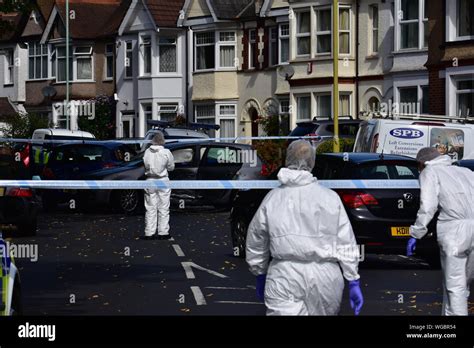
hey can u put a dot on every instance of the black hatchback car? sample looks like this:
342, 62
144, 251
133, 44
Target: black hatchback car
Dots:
18, 206
380, 217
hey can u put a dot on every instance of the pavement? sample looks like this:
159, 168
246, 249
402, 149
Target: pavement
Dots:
96, 264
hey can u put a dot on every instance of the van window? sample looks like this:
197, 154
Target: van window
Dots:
448, 141
364, 140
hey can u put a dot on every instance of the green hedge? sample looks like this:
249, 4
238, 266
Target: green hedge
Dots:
346, 145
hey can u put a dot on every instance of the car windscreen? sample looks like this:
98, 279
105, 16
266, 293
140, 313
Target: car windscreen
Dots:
385, 171
303, 130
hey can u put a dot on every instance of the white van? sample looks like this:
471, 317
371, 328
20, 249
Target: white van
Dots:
407, 136
60, 134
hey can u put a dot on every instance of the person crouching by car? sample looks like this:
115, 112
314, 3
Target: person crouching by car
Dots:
158, 162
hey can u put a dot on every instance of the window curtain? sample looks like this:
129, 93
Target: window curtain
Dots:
344, 105
324, 106
227, 55
304, 108
84, 69
227, 128
344, 24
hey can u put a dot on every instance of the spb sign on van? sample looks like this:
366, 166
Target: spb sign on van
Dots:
406, 141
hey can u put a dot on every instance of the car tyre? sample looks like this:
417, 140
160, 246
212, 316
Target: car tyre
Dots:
128, 201
239, 226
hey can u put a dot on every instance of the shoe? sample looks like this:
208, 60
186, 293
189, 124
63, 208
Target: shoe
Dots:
164, 237
152, 237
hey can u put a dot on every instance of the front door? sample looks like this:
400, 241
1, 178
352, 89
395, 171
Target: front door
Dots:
128, 126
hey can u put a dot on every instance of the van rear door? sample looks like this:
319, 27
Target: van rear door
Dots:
396, 138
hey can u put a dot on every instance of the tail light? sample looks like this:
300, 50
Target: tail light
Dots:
315, 138
355, 200
25, 155
109, 165
48, 173
375, 143
20, 192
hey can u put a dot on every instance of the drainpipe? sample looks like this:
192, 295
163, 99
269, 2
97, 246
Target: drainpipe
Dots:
186, 107
357, 57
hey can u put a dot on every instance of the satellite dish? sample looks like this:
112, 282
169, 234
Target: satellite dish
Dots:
286, 71
49, 91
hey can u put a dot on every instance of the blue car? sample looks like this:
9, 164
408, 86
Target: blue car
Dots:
73, 161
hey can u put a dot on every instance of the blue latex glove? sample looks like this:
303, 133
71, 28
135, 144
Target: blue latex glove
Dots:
411, 246
355, 296
261, 286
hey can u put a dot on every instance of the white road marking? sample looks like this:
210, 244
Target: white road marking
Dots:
240, 302
178, 250
198, 296
190, 274
225, 288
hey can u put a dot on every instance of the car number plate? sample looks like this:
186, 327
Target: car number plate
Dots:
400, 231
2, 191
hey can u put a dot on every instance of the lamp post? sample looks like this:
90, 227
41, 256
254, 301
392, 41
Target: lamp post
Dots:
67, 65
335, 54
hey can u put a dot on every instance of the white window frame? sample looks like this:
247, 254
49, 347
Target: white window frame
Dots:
196, 45
317, 95
303, 95
129, 60
421, 26
145, 113
142, 43
106, 63
307, 35
221, 116
452, 25
346, 94
34, 56
345, 31
9, 69
251, 58
408, 82
464, 91
375, 27
159, 45
323, 33
80, 55
283, 37
167, 108
220, 44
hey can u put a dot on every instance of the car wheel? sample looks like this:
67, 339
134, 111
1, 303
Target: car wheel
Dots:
239, 227
128, 201
17, 305
28, 229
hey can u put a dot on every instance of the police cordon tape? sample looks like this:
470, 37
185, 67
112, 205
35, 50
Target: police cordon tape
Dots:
200, 184
143, 141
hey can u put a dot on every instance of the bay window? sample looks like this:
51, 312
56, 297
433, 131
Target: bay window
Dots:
37, 61
147, 115
413, 99
167, 55
323, 105
167, 112
215, 50
303, 33
227, 118
83, 63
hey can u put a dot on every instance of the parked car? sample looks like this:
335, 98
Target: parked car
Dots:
71, 161
11, 301
380, 217
465, 163
18, 206
172, 132
408, 136
206, 160
323, 129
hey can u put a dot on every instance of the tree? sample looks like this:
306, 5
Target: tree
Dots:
103, 124
22, 126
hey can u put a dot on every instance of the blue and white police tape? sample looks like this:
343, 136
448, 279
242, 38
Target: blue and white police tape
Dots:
143, 141
200, 184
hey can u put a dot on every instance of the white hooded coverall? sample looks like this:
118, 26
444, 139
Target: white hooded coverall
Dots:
305, 229
158, 161
450, 189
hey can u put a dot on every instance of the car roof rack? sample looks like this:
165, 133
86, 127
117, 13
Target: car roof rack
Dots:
207, 126
427, 117
194, 126
329, 118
